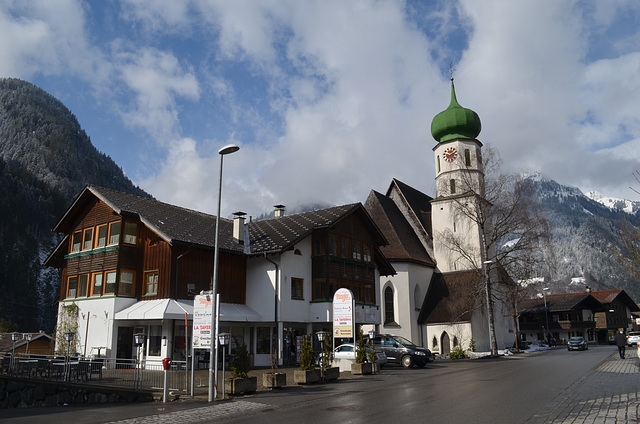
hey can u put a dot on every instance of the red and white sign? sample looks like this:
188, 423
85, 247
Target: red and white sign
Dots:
202, 322
343, 313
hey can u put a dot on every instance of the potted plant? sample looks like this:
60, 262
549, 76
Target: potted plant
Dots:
307, 373
274, 379
240, 382
330, 373
361, 366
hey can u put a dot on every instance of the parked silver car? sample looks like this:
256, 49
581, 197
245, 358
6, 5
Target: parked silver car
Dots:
348, 351
633, 338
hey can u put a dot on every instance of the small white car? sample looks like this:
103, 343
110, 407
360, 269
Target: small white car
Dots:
348, 351
633, 338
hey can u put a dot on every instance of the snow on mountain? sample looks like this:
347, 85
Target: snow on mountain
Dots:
628, 206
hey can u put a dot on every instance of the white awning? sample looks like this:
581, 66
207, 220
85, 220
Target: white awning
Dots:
175, 309
157, 309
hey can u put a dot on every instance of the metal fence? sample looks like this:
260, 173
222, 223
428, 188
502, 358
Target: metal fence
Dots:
129, 373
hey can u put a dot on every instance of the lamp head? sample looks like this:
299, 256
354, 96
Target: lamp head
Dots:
228, 149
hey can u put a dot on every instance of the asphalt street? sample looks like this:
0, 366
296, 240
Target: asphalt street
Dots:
545, 387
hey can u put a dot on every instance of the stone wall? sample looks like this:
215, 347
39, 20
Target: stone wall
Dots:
25, 393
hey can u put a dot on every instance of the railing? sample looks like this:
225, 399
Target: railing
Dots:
142, 375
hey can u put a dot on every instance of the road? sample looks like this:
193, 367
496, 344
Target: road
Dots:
502, 390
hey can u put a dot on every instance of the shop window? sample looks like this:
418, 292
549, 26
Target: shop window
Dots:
296, 288
151, 283
114, 233
96, 284
102, 236
126, 283
263, 336
110, 282
155, 340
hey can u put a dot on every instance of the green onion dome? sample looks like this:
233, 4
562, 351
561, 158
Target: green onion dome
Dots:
455, 122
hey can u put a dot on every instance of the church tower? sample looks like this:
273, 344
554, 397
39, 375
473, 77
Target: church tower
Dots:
459, 179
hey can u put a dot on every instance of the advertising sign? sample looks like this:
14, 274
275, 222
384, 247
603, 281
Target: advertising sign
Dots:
343, 310
202, 322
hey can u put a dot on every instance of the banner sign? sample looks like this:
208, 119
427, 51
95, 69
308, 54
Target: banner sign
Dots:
343, 314
202, 322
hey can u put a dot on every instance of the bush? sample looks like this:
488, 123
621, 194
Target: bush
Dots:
307, 360
240, 364
361, 351
457, 353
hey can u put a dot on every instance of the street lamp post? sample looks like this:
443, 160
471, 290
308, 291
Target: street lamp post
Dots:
28, 337
321, 336
14, 338
372, 334
139, 339
546, 314
485, 265
223, 338
68, 336
213, 351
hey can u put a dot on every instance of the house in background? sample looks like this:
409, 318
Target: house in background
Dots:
32, 343
594, 315
132, 265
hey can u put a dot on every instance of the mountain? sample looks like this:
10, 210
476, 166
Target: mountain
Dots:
584, 238
46, 158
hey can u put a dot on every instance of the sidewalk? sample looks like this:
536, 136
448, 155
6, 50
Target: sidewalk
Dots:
609, 394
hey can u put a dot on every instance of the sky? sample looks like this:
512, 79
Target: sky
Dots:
329, 100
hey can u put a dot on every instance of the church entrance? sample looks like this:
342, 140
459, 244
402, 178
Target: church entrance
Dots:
445, 344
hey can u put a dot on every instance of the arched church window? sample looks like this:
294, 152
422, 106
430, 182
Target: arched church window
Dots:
455, 341
438, 161
389, 312
417, 298
452, 183
467, 157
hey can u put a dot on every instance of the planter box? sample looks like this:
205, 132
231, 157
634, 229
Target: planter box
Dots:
239, 386
361, 369
331, 373
306, 377
274, 380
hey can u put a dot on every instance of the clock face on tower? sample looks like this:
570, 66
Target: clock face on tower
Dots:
450, 154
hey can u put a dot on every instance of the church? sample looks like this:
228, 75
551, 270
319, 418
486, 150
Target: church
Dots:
438, 296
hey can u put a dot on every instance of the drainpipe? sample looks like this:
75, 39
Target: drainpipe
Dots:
275, 308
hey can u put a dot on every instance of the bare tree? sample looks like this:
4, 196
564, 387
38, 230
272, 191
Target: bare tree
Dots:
511, 230
629, 235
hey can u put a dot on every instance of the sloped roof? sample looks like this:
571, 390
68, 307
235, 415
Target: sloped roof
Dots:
278, 234
562, 302
610, 296
451, 298
418, 202
180, 225
6, 344
403, 245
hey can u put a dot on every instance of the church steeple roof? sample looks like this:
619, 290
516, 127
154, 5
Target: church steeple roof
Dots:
455, 122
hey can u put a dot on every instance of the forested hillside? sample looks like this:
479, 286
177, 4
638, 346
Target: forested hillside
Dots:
46, 158
585, 240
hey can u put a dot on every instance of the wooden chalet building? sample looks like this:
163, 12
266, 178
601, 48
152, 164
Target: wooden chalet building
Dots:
594, 315
132, 264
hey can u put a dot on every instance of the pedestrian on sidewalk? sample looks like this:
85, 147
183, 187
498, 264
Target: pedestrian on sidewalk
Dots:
621, 342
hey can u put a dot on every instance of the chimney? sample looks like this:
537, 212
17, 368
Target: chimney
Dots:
279, 212
238, 226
